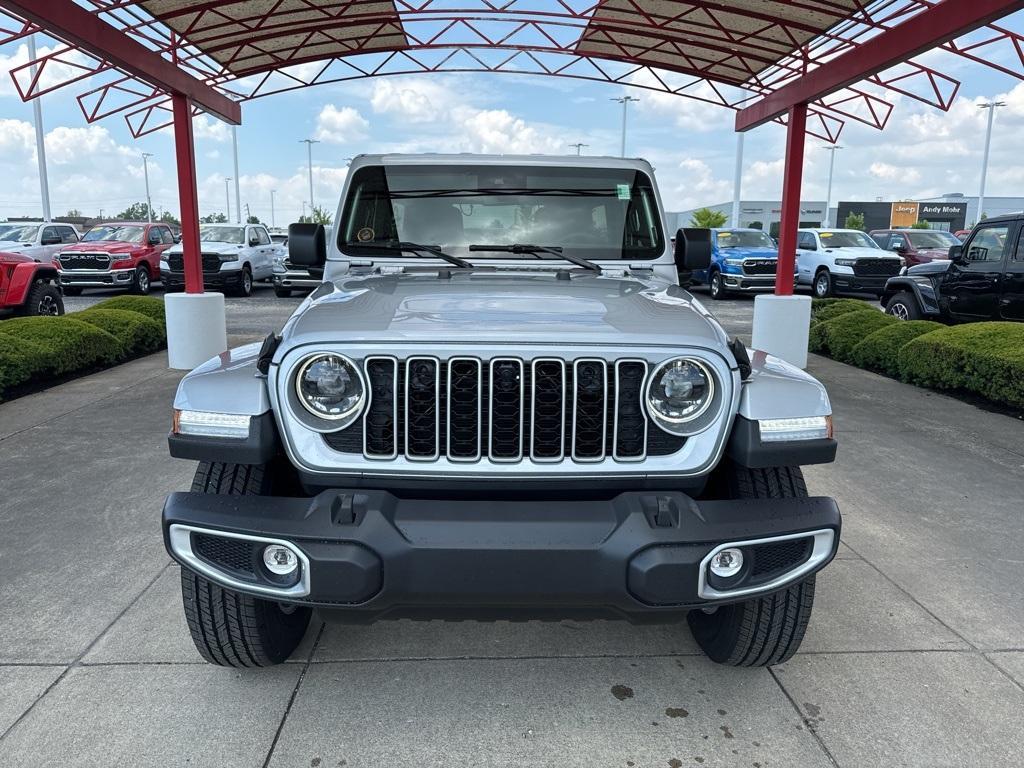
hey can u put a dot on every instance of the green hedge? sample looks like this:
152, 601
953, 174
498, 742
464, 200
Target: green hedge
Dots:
837, 337
36, 349
880, 350
986, 359
145, 305
827, 309
137, 333
63, 344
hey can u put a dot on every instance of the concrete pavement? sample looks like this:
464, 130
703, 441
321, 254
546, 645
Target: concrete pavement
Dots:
914, 655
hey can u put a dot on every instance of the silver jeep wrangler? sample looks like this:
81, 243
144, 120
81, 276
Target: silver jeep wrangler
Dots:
502, 403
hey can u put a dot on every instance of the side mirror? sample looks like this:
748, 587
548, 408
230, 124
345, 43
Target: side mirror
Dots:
253, 242
307, 245
956, 254
50, 241
692, 249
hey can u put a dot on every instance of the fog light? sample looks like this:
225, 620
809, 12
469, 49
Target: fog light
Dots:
280, 560
727, 562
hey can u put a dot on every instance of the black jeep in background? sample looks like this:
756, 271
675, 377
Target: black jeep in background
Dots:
983, 279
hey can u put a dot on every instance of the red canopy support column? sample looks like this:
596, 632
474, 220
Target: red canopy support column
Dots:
184, 149
791, 183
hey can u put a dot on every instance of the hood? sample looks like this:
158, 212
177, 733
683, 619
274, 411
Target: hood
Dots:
861, 252
112, 247
749, 253
207, 247
503, 308
13, 246
12, 257
929, 268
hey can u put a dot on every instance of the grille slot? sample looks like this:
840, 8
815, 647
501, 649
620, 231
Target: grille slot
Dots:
503, 410
423, 416
775, 558
465, 408
589, 417
381, 419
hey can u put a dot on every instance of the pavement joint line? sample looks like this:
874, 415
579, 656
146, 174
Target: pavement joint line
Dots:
87, 405
913, 598
1002, 671
89, 647
295, 693
814, 734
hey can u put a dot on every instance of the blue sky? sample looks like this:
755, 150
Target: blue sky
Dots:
923, 152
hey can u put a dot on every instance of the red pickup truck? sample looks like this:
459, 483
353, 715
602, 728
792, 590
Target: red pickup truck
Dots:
118, 254
28, 287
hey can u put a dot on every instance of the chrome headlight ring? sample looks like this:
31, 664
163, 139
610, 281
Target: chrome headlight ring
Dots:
323, 421
688, 425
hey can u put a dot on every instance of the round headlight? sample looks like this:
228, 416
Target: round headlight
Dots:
679, 392
329, 386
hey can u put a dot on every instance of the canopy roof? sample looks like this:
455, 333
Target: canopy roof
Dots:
725, 53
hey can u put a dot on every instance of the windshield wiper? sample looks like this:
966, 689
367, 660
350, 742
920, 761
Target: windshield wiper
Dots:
414, 248
535, 249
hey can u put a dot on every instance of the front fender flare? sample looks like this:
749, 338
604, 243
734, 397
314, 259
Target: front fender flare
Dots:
921, 288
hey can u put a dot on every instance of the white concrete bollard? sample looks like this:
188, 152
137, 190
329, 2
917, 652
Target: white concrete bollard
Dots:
781, 327
196, 328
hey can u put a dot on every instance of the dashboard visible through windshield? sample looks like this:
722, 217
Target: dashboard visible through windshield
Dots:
593, 213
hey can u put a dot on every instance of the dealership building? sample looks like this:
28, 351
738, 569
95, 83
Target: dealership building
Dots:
950, 212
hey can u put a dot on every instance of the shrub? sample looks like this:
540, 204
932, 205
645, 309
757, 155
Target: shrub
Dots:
837, 337
19, 361
136, 332
62, 344
879, 351
829, 308
145, 305
986, 359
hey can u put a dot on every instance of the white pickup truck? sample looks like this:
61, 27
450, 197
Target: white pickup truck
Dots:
234, 257
37, 241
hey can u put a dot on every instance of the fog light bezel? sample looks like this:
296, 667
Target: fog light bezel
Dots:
180, 541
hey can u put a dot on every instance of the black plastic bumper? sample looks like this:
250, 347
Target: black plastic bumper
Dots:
868, 284
371, 553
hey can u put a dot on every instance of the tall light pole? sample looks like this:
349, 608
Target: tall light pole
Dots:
624, 101
238, 190
227, 198
579, 147
828, 194
303, 209
737, 181
273, 222
145, 174
37, 114
309, 151
991, 107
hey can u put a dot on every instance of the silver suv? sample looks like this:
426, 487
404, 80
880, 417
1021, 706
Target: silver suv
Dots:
501, 403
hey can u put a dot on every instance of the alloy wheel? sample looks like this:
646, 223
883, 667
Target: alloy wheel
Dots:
47, 306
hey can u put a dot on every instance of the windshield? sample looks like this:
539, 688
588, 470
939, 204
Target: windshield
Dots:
230, 235
593, 213
114, 232
744, 238
847, 240
933, 239
19, 234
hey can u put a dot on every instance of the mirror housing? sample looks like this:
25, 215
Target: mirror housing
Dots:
307, 245
956, 254
253, 242
50, 241
692, 249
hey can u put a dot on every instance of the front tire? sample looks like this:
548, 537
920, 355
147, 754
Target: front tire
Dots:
765, 630
44, 299
245, 285
823, 284
229, 628
903, 306
141, 284
717, 286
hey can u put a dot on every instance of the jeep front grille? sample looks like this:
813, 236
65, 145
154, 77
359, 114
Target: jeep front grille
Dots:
504, 410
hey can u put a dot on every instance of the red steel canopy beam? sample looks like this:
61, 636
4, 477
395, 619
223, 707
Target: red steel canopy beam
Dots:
929, 29
79, 27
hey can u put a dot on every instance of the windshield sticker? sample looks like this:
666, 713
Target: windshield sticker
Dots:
725, 234
365, 235
623, 191
825, 235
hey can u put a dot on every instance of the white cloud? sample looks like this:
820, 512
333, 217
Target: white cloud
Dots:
500, 132
414, 99
340, 126
693, 184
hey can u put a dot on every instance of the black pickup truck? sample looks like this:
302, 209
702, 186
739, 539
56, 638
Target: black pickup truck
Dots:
983, 279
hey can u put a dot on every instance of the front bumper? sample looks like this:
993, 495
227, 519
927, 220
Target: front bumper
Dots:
734, 282
368, 554
295, 280
222, 279
114, 278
